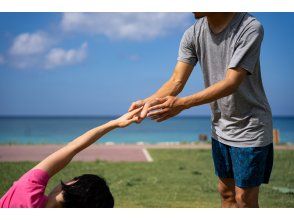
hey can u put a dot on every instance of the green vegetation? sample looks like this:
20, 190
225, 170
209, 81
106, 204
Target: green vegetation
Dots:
176, 178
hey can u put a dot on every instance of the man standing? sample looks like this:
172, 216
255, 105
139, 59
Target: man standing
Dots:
227, 47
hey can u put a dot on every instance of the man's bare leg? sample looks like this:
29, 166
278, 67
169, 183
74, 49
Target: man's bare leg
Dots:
247, 197
226, 188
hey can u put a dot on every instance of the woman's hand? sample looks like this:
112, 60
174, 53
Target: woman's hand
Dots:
144, 105
128, 118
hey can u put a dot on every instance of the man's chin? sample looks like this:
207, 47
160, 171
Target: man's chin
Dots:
198, 15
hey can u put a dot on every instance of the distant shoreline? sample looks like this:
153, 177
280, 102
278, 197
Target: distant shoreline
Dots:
112, 116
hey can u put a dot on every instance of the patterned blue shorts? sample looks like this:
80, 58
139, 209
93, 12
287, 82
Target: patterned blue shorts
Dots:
248, 166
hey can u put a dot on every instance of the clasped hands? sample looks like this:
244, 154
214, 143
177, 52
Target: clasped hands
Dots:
158, 109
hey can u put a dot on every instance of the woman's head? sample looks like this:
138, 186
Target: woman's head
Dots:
86, 191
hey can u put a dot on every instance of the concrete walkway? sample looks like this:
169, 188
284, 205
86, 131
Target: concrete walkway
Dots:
113, 153
106, 153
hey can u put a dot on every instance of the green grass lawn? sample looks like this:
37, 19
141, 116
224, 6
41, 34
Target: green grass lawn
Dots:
176, 178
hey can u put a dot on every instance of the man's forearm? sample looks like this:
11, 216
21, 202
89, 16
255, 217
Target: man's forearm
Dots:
171, 87
210, 94
176, 83
171, 106
225, 87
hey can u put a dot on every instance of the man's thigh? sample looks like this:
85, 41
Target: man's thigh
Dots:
222, 161
251, 166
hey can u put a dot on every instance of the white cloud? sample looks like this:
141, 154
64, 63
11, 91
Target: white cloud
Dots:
60, 57
30, 44
131, 26
2, 59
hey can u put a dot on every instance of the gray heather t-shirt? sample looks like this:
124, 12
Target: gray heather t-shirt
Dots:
242, 119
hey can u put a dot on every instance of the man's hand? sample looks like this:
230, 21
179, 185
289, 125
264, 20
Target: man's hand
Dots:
165, 108
128, 118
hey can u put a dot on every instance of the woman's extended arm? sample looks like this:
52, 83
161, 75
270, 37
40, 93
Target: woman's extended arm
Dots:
59, 159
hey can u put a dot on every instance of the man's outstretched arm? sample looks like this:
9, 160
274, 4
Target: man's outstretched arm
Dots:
172, 87
59, 159
171, 105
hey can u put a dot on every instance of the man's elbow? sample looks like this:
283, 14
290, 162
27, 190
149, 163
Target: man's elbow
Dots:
234, 78
232, 87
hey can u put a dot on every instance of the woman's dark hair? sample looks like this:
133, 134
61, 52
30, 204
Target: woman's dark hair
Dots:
89, 191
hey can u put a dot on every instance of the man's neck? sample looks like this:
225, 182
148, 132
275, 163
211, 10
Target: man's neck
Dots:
219, 21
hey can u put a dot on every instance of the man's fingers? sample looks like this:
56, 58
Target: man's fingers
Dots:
144, 110
163, 118
155, 107
155, 117
149, 104
157, 112
141, 103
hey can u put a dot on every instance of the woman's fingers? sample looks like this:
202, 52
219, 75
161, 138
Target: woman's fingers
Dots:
134, 112
134, 119
135, 105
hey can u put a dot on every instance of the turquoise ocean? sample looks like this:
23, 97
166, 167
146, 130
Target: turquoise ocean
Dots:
60, 130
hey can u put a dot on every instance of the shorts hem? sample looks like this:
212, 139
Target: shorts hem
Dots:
242, 185
223, 177
249, 185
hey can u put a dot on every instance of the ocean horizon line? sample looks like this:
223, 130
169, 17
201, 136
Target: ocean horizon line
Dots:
111, 116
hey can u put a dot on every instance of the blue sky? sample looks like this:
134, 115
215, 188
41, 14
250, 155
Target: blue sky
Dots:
97, 64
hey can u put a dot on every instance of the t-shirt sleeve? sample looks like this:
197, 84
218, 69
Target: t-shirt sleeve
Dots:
33, 184
36, 176
28, 191
247, 49
187, 52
